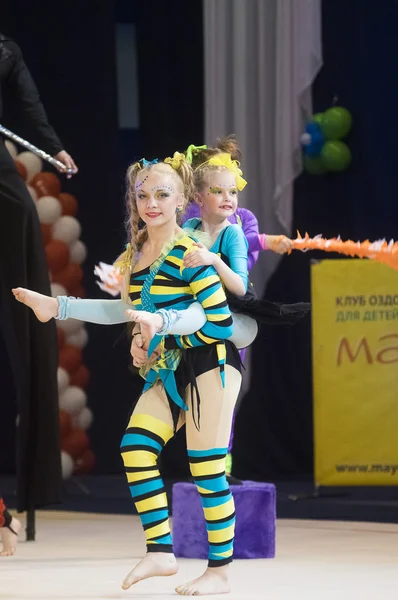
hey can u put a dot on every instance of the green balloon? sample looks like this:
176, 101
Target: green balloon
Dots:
335, 155
318, 118
336, 123
314, 165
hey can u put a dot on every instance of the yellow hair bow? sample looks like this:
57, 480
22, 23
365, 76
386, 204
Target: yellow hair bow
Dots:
177, 160
191, 150
224, 160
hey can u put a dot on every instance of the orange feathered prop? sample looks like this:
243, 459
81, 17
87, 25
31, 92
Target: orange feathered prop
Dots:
380, 250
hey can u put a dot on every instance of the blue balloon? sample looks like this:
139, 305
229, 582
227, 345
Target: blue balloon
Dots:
313, 127
314, 148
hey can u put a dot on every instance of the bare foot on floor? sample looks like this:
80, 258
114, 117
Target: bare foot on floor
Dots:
154, 564
150, 323
44, 307
9, 539
213, 581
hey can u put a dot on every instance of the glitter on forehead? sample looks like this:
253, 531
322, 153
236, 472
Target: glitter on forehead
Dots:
138, 185
223, 185
162, 187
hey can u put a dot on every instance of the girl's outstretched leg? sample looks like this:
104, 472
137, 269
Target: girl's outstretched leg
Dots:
44, 307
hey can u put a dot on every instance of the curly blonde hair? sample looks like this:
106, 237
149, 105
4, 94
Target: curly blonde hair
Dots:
228, 145
183, 175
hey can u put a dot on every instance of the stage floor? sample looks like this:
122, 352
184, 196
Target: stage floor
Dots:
86, 556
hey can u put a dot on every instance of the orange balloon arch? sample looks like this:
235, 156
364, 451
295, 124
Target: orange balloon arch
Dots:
69, 274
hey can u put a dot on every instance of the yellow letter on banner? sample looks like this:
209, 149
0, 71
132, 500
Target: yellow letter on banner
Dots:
355, 372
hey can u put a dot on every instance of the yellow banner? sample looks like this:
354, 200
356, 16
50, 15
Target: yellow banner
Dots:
355, 372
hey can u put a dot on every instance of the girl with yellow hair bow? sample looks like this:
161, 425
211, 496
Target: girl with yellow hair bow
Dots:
203, 161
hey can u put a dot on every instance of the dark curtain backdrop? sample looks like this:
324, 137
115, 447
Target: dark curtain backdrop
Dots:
274, 428
170, 64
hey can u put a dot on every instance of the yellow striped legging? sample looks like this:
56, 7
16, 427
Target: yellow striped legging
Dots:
151, 427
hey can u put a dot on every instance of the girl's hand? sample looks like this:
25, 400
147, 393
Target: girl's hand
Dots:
139, 351
279, 244
199, 256
150, 323
140, 356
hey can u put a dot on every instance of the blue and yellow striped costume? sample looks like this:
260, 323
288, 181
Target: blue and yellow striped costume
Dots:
167, 284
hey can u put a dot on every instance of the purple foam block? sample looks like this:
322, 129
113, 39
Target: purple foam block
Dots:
255, 506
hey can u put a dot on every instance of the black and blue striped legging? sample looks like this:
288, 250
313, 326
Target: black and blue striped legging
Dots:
150, 428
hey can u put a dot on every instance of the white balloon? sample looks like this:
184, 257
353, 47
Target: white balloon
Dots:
67, 229
83, 419
12, 149
72, 400
58, 290
67, 465
78, 252
70, 326
31, 162
32, 192
78, 339
63, 380
49, 209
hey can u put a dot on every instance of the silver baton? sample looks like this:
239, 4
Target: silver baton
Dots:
53, 161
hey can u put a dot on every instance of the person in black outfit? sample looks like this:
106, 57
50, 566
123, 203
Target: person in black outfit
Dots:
29, 347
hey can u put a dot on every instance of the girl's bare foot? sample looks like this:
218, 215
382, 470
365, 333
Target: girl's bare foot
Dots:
44, 307
213, 581
150, 323
154, 564
9, 539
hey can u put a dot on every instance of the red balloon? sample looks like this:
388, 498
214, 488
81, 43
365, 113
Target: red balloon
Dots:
70, 276
46, 231
58, 254
61, 337
75, 443
68, 203
86, 463
70, 358
46, 184
22, 170
65, 423
81, 377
